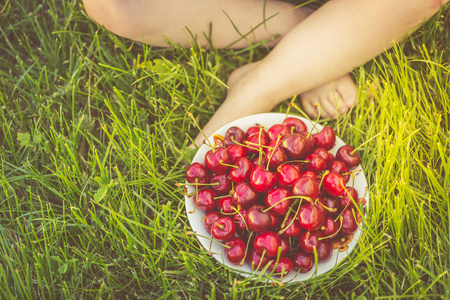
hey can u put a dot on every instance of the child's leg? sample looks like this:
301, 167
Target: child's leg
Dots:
338, 37
151, 21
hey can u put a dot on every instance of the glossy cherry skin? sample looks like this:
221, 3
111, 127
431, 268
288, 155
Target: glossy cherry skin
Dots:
235, 250
240, 219
261, 179
341, 168
257, 220
277, 131
309, 241
244, 195
310, 217
291, 227
276, 200
223, 229
236, 151
303, 261
209, 219
324, 251
242, 170
234, 134
197, 172
295, 125
307, 187
255, 142
256, 260
225, 205
326, 138
282, 267
347, 155
287, 175
333, 184
333, 206
349, 198
310, 140
267, 242
322, 152
330, 228
315, 163
349, 224
275, 156
222, 184
214, 159
296, 145
204, 199
256, 129
285, 246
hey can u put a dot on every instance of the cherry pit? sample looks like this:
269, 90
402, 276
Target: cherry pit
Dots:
276, 198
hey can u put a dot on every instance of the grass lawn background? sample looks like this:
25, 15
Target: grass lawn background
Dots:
93, 140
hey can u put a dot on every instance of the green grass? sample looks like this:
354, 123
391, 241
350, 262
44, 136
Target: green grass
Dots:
93, 139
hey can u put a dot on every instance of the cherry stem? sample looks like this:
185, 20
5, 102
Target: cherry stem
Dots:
196, 184
290, 197
246, 247
317, 106
273, 151
242, 217
291, 103
227, 165
323, 176
201, 131
354, 150
334, 234
292, 221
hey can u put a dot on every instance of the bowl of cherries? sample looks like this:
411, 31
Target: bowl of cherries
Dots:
276, 196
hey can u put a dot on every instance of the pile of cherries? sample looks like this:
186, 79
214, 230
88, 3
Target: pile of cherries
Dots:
276, 198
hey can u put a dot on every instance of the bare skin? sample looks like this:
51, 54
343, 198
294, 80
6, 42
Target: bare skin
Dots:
312, 58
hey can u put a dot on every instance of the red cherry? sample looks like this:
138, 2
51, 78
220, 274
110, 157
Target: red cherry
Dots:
310, 140
257, 220
287, 175
333, 184
234, 134
282, 267
225, 205
330, 228
324, 251
322, 152
221, 184
244, 195
255, 129
276, 200
235, 250
214, 159
204, 199
341, 168
255, 143
267, 242
242, 170
315, 163
309, 241
236, 151
310, 217
307, 187
333, 206
309, 174
291, 227
285, 246
277, 131
295, 125
347, 155
223, 229
296, 145
210, 218
275, 156
261, 179
349, 198
240, 219
349, 224
304, 261
256, 260
325, 138
197, 172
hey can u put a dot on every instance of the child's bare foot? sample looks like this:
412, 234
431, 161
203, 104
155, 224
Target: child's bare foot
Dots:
335, 98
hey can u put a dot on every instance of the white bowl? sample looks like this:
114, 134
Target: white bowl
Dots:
217, 250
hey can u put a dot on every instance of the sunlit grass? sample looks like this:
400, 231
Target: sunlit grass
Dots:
93, 140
